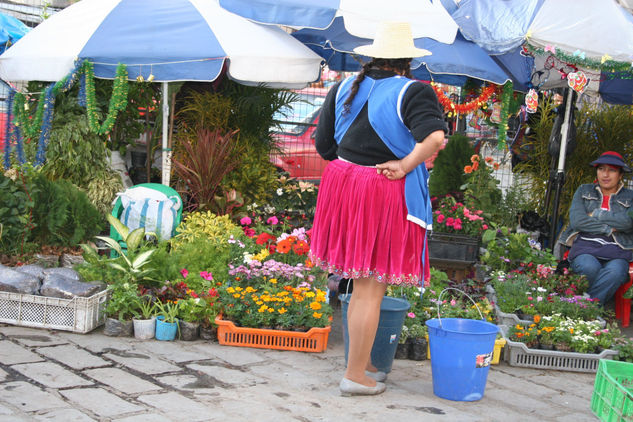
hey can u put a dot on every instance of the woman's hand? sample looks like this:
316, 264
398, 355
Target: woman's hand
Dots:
392, 170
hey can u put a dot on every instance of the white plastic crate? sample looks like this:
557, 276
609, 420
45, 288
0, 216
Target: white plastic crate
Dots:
80, 314
518, 354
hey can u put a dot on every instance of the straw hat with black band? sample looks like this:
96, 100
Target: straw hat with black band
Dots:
394, 40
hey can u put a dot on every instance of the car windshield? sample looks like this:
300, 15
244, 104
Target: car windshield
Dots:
295, 118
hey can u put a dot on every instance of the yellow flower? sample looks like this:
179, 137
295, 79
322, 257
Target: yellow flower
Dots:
283, 311
317, 315
310, 294
271, 310
273, 280
315, 306
262, 308
249, 289
237, 295
259, 302
239, 289
230, 290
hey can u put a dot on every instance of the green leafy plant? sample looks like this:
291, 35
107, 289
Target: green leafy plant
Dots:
145, 307
448, 175
122, 300
507, 250
168, 310
16, 204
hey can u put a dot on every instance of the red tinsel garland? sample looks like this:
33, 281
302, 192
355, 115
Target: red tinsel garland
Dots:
449, 105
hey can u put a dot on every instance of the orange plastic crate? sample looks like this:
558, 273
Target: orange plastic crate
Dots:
314, 340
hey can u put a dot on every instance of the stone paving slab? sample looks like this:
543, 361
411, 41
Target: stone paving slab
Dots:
32, 336
175, 405
100, 402
50, 374
237, 356
174, 351
28, 397
96, 342
3, 375
121, 380
146, 417
11, 353
65, 415
142, 362
73, 356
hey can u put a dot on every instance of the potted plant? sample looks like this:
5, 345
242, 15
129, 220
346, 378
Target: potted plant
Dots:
144, 318
456, 232
417, 339
166, 321
190, 313
120, 308
402, 350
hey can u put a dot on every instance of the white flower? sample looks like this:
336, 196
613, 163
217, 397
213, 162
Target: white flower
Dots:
280, 192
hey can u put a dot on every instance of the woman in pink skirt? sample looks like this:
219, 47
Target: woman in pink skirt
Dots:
373, 207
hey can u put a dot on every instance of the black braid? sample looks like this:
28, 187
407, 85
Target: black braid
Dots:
399, 65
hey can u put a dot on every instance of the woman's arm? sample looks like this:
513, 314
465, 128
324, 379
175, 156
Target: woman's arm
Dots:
397, 169
581, 221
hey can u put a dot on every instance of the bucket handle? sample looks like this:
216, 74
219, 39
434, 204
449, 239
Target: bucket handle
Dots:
439, 302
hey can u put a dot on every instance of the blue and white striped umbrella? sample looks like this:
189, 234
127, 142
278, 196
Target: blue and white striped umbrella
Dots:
173, 40
428, 18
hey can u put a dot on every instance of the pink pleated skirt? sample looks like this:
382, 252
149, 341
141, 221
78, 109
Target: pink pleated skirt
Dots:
361, 228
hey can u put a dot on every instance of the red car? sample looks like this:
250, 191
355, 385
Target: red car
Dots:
295, 139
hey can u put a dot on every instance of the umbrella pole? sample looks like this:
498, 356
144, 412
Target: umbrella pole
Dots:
166, 155
559, 180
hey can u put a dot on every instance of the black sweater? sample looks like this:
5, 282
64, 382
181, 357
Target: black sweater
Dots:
421, 113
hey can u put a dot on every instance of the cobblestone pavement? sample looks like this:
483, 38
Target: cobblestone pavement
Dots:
59, 376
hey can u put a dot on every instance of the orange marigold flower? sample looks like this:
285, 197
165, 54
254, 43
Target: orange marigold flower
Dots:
468, 169
315, 306
474, 158
317, 315
537, 318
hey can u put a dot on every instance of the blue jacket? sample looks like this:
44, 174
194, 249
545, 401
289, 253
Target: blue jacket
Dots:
587, 216
384, 97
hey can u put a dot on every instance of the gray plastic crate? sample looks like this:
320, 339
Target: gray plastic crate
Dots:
518, 354
80, 314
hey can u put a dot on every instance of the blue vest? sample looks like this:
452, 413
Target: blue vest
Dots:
384, 97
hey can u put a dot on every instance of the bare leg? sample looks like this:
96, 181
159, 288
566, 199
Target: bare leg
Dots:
363, 315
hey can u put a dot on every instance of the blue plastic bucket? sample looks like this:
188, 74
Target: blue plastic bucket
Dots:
392, 314
165, 330
461, 352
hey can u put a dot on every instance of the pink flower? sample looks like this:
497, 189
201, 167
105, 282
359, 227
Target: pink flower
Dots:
411, 315
245, 221
440, 218
453, 302
184, 273
249, 232
272, 220
206, 275
485, 227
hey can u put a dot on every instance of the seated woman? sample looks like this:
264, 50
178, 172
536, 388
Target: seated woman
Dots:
600, 230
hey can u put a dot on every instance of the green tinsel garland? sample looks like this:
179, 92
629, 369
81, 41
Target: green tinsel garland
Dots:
30, 125
607, 65
503, 116
118, 100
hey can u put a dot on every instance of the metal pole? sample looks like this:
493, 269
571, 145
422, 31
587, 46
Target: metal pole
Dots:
560, 174
166, 151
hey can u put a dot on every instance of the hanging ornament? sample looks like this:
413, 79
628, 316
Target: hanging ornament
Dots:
495, 116
118, 99
577, 81
531, 101
502, 130
450, 106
